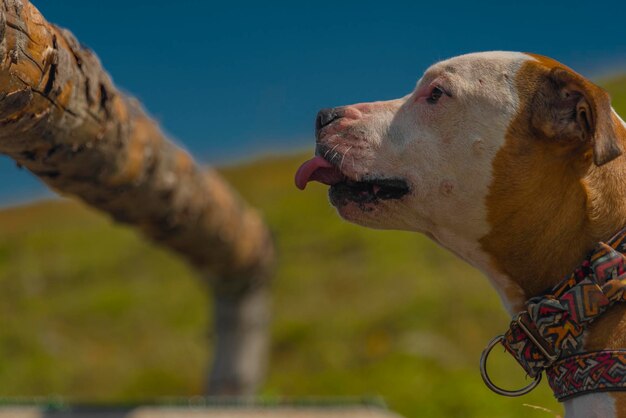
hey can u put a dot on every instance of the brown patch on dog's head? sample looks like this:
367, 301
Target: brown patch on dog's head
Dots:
568, 108
539, 201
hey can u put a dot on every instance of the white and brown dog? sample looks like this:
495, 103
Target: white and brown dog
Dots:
509, 160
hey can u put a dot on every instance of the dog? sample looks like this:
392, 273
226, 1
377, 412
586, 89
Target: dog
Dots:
509, 160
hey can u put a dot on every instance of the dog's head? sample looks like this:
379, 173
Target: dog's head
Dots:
481, 137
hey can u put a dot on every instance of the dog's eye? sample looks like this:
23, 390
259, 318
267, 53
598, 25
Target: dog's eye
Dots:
435, 95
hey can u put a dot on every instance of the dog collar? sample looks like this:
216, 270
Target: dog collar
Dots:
548, 334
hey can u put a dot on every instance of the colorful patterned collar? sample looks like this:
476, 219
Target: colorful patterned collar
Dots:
548, 335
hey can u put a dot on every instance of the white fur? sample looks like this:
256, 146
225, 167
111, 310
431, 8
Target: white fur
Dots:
445, 151
594, 405
618, 117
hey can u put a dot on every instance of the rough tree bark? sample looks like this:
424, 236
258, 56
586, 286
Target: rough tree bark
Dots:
63, 119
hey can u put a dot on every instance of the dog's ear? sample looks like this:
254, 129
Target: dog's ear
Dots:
567, 107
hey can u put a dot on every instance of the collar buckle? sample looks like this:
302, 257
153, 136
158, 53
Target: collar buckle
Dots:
527, 325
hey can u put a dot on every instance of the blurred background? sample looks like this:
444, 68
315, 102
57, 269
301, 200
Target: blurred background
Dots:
91, 311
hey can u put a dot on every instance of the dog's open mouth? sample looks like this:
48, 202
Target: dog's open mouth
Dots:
343, 189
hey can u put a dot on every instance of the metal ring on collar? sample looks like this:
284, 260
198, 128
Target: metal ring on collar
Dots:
490, 384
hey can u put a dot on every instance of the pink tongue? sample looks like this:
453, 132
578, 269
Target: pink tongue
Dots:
317, 169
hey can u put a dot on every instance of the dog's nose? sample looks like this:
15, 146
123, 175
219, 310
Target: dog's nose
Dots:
327, 116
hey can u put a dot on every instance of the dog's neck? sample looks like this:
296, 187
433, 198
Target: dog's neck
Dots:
547, 210
542, 229
536, 248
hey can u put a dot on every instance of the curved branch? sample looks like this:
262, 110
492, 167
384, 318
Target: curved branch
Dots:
62, 118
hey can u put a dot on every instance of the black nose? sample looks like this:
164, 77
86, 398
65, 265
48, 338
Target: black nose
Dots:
327, 116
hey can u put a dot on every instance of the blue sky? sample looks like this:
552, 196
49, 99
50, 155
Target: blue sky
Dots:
230, 80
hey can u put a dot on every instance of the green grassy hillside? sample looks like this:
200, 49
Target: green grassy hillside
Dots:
91, 311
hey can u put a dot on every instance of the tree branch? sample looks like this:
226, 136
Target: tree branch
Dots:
62, 118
